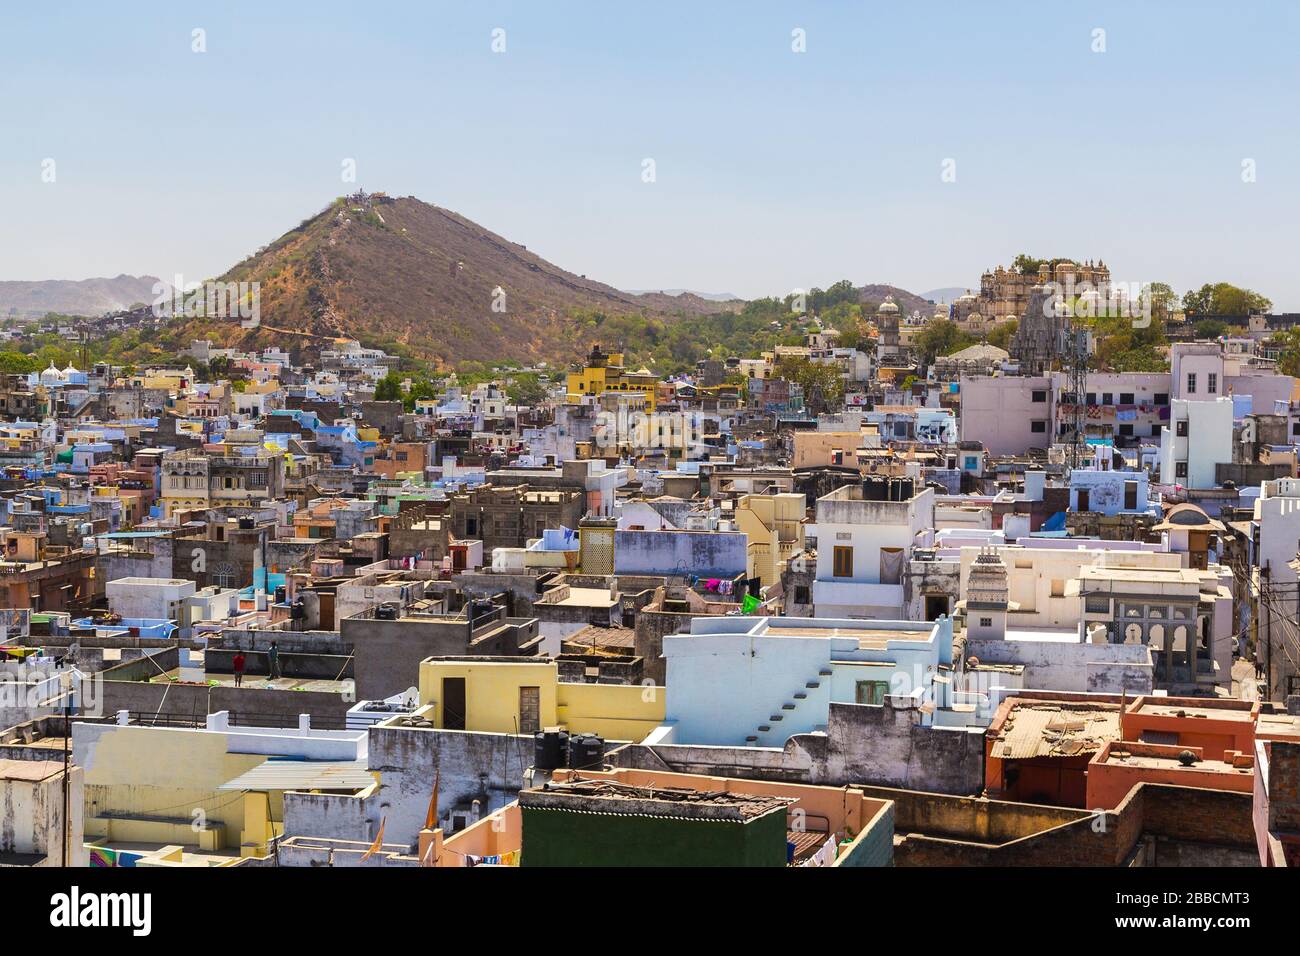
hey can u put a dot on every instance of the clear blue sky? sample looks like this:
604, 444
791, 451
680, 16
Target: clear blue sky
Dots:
775, 170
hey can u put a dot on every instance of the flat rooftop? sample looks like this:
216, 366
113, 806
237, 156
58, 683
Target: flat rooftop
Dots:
586, 597
264, 682
679, 802
872, 638
1149, 575
1169, 761
32, 771
1275, 726
1151, 708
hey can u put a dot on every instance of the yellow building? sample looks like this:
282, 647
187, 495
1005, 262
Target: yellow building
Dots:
508, 696
605, 372
775, 526
213, 793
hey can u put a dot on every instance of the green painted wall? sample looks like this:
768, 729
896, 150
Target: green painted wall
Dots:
876, 846
554, 837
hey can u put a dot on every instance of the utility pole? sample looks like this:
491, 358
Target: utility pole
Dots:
65, 684
1266, 591
1075, 351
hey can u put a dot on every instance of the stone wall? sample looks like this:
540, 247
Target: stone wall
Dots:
1155, 825
1078, 668
469, 766
890, 746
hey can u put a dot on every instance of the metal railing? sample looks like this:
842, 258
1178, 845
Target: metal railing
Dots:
236, 719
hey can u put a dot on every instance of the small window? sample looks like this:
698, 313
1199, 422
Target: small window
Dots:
1058, 588
1126, 398
1092, 398
1039, 395
1038, 426
1161, 398
1108, 398
1097, 605
986, 622
1180, 469
1180, 429
843, 562
1191, 383
1212, 383
1126, 430
871, 692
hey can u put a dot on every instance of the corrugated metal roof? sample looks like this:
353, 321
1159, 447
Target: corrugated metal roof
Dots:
303, 775
1043, 731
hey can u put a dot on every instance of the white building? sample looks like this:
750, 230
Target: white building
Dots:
1277, 522
865, 534
1197, 438
156, 599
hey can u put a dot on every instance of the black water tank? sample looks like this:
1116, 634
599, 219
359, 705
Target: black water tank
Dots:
586, 752
386, 612
549, 749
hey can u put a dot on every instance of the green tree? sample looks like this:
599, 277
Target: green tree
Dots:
1163, 300
1026, 264
1288, 341
526, 389
1224, 298
389, 388
1210, 328
16, 363
811, 375
941, 337
1002, 333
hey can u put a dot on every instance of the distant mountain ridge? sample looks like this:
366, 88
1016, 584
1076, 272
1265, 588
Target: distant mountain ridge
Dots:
437, 286
710, 296
907, 301
945, 296
438, 290
88, 297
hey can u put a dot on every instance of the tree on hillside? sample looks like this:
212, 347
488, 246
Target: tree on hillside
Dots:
16, 363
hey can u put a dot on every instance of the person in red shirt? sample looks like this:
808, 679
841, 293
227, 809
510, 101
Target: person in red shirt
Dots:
239, 668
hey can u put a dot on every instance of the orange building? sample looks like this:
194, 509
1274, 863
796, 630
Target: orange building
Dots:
1123, 764
402, 457
1037, 749
1211, 725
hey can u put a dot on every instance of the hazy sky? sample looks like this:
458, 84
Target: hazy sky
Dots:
773, 169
